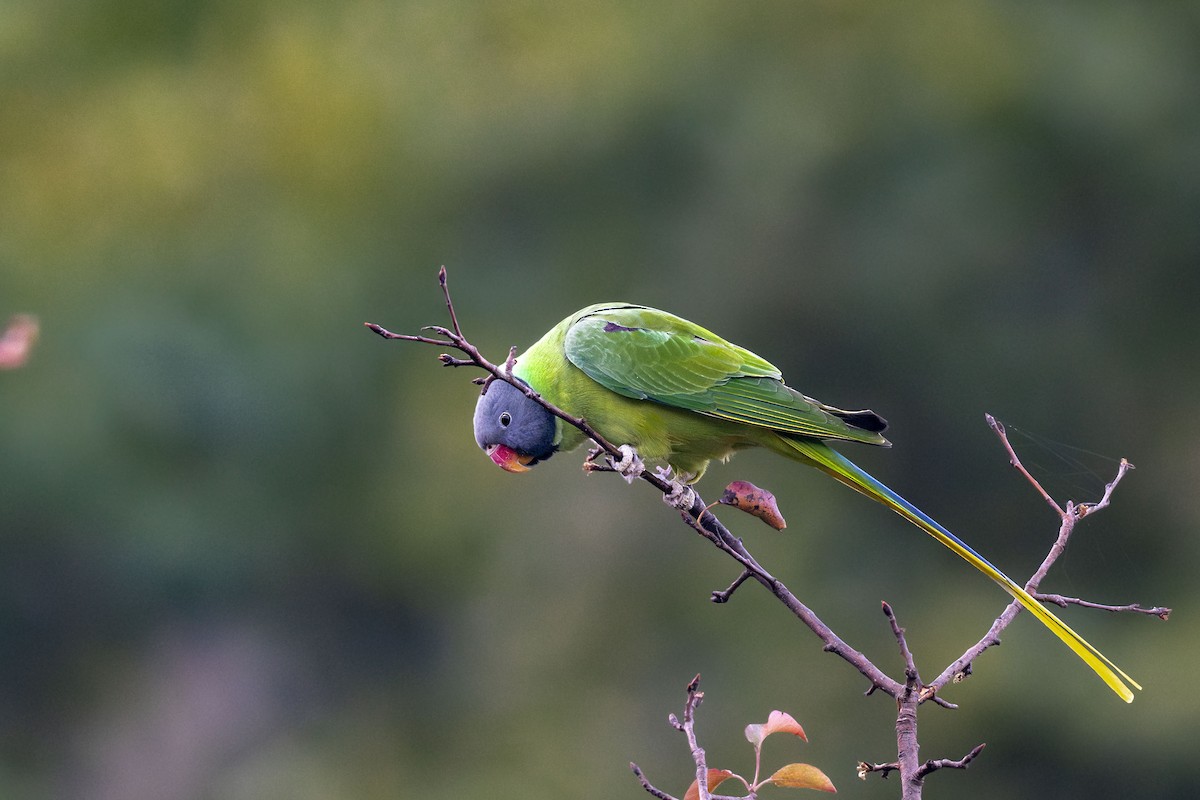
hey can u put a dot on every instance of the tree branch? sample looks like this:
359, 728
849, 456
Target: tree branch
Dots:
912, 677
1162, 612
688, 726
946, 763
649, 787
960, 668
698, 516
998, 428
866, 768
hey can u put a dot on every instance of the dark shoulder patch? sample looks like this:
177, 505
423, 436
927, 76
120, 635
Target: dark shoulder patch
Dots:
612, 327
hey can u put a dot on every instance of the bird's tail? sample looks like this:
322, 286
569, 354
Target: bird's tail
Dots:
825, 458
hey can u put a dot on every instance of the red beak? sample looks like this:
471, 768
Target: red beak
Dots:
508, 459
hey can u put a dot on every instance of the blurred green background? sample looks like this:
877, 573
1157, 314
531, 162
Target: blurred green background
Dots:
249, 550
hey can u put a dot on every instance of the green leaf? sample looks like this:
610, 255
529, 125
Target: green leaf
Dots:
802, 776
715, 778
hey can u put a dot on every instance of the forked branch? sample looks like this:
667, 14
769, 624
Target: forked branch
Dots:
909, 693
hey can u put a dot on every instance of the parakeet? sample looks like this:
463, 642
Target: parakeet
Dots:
680, 394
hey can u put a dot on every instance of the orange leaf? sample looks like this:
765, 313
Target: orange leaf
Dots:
778, 722
802, 776
715, 778
747, 497
782, 722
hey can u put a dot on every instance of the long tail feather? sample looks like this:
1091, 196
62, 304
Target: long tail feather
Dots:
823, 457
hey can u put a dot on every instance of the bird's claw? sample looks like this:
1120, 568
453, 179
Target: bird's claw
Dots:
630, 466
681, 497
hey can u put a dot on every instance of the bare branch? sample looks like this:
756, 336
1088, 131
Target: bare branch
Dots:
945, 763
912, 679
998, 427
449, 304
454, 338
385, 333
699, 517
1162, 612
694, 698
723, 596
688, 728
1068, 517
1090, 508
649, 787
865, 768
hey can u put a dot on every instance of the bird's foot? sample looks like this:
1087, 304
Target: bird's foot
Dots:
681, 497
630, 465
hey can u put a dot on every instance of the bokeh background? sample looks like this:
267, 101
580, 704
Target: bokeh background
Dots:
249, 550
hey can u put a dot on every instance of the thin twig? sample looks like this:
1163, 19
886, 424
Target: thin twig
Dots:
649, 787
1109, 488
912, 678
934, 765
694, 698
1162, 612
998, 427
723, 596
866, 768
449, 305
454, 338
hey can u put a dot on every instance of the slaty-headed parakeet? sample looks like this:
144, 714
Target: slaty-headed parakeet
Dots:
683, 395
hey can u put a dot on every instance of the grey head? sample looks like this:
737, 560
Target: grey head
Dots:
506, 421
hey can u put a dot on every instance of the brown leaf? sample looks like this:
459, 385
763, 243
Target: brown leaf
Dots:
715, 778
802, 776
747, 497
17, 340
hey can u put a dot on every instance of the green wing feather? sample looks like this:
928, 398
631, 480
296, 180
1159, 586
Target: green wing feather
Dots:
646, 354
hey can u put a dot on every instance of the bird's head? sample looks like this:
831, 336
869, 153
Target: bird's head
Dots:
513, 430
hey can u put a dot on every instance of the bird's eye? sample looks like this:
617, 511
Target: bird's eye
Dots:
505, 419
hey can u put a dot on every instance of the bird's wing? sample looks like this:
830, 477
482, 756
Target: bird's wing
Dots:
647, 354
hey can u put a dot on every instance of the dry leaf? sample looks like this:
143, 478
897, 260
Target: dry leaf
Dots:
747, 497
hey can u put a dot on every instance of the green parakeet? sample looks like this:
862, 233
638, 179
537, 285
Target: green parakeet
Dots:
681, 394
